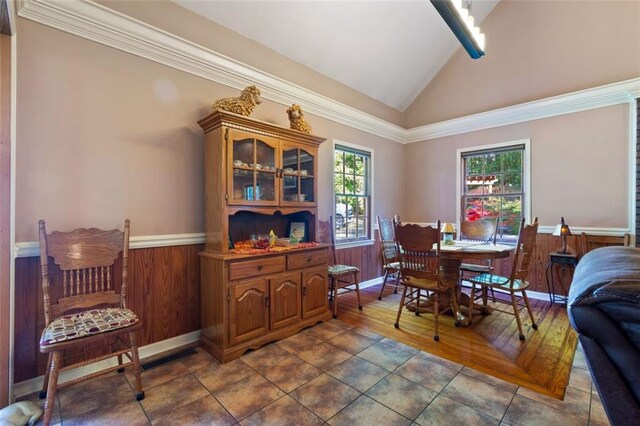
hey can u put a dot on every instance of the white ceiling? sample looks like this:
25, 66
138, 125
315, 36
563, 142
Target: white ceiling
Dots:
388, 50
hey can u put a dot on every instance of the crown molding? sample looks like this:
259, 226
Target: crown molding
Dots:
597, 97
32, 248
98, 23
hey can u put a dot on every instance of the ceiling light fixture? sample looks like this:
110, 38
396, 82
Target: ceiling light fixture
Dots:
460, 21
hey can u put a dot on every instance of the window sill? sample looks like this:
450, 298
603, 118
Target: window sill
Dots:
352, 244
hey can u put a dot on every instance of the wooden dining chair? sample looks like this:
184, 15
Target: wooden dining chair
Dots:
484, 230
420, 270
516, 284
389, 252
342, 278
586, 243
83, 306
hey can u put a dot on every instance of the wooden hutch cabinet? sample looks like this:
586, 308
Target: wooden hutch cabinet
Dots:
258, 177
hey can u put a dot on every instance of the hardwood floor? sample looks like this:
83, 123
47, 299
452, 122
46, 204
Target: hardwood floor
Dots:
491, 345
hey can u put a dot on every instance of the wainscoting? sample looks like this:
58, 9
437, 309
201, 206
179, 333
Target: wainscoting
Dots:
165, 292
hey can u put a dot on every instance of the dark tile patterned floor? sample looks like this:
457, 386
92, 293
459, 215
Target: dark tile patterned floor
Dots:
331, 373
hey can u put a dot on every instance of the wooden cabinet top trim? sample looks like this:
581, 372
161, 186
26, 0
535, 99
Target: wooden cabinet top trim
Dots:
227, 119
235, 256
270, 210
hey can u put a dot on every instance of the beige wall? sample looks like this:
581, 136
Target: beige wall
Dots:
579, 169
103, 135
191, 26
535, 49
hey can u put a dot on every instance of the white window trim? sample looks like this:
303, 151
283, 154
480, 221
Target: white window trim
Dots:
358, 243
527, 173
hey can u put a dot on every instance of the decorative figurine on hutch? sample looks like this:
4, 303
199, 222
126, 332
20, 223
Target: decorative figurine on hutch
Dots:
243, 104
296, 119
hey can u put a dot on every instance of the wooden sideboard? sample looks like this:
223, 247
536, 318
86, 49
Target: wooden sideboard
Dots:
258, 177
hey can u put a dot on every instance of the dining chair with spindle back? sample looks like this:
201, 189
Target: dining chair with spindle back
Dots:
516, 283
82, 303
389, 252
485, 231
342, 278
586, 243
419, 249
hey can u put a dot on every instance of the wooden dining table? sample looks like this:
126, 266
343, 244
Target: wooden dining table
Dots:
451, 257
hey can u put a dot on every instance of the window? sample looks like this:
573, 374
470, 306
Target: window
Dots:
494, 185
352, 189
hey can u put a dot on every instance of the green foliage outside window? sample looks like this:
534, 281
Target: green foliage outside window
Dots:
493, 188
351, 189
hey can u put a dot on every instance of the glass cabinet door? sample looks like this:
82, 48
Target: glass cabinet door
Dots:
253, 170
298, 174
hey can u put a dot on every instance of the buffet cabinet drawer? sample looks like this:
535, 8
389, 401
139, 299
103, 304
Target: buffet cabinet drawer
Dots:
303, 260
253, 268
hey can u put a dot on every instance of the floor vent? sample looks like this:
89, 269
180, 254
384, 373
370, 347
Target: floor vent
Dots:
171, 357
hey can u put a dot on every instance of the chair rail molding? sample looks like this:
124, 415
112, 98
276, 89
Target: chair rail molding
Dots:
32, 248
93, 21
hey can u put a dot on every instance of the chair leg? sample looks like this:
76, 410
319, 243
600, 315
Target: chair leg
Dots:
526, 302
121, 369
401, 307
334, 292
418, 294
397, 278
436, 303
493, 296
355, 277
384, 282
516, 312
45, 384
51, 387
136, 366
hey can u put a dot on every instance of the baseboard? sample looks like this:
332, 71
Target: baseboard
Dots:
371, 282
34, 385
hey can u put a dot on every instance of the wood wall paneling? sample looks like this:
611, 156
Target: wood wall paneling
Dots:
164, 288
369, 260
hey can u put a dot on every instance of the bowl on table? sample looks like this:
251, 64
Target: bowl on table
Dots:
259, 241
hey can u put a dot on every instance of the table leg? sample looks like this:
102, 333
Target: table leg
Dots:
549, 274
450, 274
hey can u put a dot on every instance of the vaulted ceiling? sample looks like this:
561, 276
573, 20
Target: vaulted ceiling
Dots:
388, 50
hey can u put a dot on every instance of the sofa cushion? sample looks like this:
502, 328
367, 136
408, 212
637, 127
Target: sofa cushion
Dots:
606, 274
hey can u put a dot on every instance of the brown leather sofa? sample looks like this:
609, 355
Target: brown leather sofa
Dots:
604, 308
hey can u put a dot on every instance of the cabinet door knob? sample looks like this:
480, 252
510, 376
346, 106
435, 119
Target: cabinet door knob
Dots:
260, 267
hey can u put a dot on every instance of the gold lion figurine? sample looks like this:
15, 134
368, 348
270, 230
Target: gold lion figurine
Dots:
296, 119
243, 104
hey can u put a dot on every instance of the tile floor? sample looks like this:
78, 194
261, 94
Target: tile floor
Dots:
331, 373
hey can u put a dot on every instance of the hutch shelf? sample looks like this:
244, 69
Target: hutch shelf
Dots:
258, 177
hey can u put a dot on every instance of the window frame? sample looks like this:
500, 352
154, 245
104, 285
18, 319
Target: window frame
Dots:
526, 174
369, 179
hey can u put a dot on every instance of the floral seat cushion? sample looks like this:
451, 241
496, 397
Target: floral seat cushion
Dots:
342, 269
86, 323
